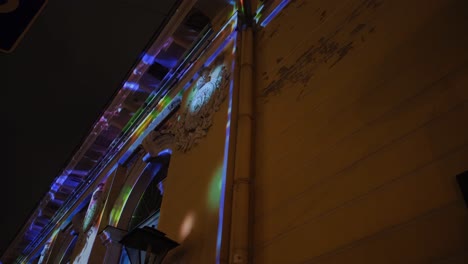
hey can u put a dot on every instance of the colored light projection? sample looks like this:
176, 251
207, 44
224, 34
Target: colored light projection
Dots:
216, 193
133, 175
205, 88
161, 110
143, 122
94, 207
215, 188
116, 211
146, 123
87, 246
149, 122
47, 248
90, 225
221, 186
270, 16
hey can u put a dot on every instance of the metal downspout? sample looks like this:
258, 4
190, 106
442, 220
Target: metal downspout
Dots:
240, 243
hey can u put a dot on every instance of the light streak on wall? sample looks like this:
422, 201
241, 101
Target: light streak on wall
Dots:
226, 157
274, 13
150, 121
258, 13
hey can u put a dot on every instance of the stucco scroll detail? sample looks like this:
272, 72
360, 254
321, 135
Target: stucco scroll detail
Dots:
194, 120
208, 94
159, 140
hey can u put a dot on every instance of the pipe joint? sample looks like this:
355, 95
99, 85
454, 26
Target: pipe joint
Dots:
242, 181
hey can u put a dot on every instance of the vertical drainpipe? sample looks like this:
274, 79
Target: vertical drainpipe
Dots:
242, 183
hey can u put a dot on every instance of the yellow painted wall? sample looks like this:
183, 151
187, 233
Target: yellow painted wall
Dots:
190, 207
361, 127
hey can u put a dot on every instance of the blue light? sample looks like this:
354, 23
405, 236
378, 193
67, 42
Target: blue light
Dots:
160, 187
165, 152
225, 163
146, 157
148, 59
168, 63
220, 49
55, 187
124, 157
131, 86
274, 13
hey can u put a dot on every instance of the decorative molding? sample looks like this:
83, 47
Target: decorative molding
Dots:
157, 141
194, 121
209, 92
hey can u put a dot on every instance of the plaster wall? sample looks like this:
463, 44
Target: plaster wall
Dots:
361, 127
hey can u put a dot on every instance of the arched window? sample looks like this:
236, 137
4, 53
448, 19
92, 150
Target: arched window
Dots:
146, 212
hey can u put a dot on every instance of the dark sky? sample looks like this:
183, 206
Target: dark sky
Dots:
55, 85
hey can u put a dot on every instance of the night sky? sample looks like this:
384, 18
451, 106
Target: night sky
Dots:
54, 87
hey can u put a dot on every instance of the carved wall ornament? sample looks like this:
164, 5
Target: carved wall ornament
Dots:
156, 141
193, 121
207, 95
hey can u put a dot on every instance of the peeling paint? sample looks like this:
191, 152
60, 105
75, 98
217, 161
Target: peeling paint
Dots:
323, 15
328, 50
357, 29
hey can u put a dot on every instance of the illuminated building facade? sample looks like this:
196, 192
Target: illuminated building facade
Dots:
275, 132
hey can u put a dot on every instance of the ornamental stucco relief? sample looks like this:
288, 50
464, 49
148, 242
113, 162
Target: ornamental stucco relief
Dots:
208, 94
195, 119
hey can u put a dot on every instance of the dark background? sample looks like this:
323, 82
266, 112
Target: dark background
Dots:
55, 85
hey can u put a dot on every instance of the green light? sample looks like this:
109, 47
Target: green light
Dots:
214, 192
116, 212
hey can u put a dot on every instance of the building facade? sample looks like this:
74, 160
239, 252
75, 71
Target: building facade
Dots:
275, 132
